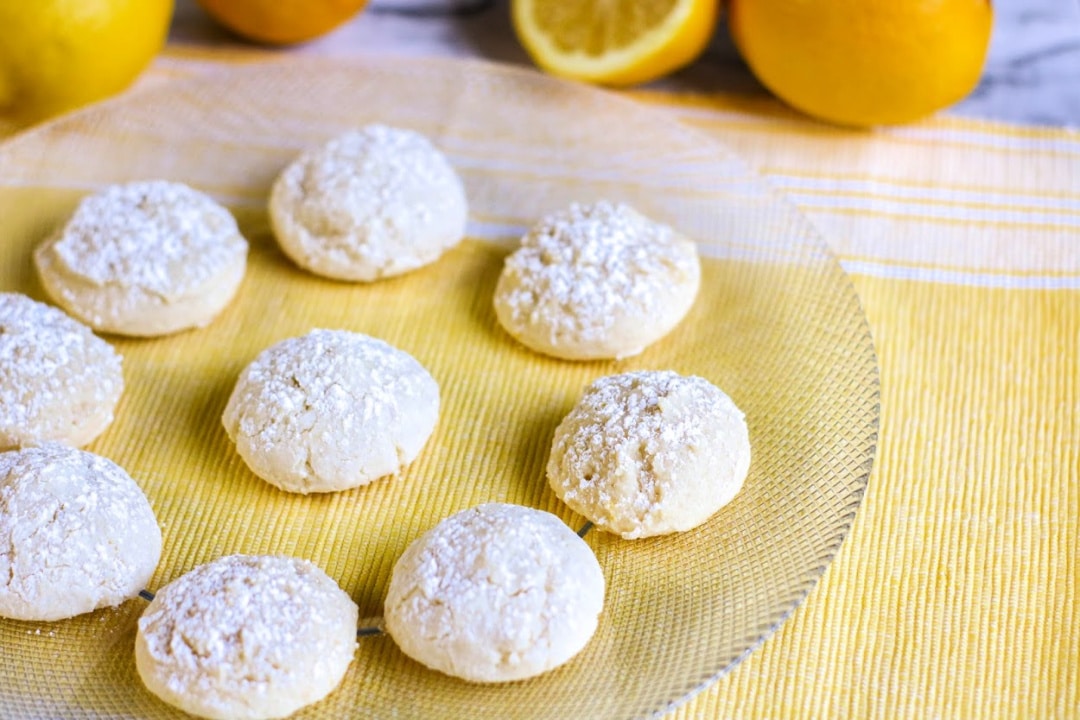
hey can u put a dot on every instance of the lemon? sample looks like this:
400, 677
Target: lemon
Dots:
864, 62
614, 42
282, 22
56, 55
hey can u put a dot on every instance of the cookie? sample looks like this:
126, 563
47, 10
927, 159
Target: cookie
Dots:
58, 381
246, 637
595, 282
648, 453
144, 259
495, 593
368, 204
331, 410
76, 533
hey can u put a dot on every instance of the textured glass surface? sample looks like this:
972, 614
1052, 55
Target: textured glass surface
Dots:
777, 325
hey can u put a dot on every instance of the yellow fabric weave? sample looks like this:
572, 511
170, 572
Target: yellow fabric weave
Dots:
956, 594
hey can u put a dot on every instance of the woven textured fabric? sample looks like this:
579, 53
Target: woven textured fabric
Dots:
777, 325
956, 594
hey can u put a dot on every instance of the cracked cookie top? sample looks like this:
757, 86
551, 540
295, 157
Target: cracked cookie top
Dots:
246, 636
495, 593
331, 410
76, 533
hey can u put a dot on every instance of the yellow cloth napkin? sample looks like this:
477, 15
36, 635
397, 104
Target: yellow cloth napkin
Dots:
955, 594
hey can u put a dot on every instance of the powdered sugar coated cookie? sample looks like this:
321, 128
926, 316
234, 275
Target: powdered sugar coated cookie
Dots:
58, 381
76, 533
368, 204
495, 593
331, 410
596, 281
144, 259
648, 453
247, 637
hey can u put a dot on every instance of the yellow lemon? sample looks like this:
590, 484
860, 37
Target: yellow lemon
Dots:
58, 54
282, 22
864, 62
614, 42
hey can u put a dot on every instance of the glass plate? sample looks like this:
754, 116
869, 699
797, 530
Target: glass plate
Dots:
777, 325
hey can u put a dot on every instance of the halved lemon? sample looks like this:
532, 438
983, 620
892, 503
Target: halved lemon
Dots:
614, 42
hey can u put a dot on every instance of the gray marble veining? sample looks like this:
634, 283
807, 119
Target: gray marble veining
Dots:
1032, 74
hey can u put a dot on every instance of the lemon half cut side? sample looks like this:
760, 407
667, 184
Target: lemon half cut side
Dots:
614, 42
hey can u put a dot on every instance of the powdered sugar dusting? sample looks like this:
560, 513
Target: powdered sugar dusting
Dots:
162, 237
371, 173
627, 410
331, 409
497, 592
247, 633
369, 203
640, 450
597, 278
76, 533
55, 374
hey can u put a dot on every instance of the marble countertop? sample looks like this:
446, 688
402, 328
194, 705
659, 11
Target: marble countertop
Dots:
1032, 73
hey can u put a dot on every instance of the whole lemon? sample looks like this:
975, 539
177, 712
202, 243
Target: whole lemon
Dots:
864, 62
282, 22
56, 55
